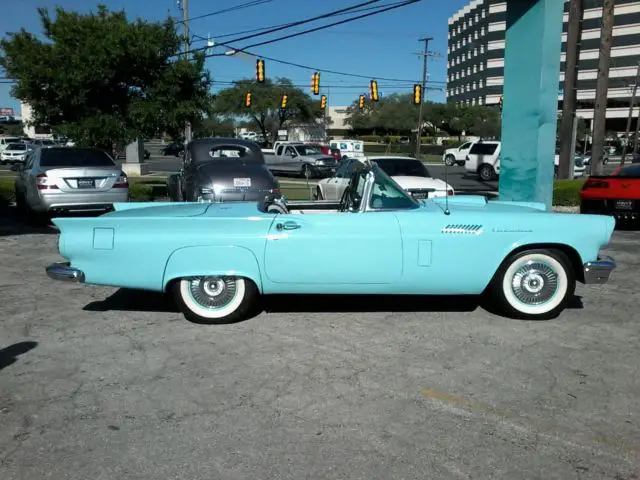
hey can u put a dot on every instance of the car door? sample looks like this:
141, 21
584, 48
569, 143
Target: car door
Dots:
334, 250
335, 185
290, 162
462, 152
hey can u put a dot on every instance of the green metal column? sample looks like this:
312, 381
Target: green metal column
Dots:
529, 115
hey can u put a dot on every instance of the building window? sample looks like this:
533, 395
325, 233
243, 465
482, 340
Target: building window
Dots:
468, 70
484, 13
477, 17
470, 39
475, 35
474, 85
482, 48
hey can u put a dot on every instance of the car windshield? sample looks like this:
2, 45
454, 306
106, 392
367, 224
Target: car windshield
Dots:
16, 146
309, 150
75, 157
632, 171
395, 167
386, 193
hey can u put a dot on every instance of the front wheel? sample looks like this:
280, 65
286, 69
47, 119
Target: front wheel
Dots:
450, 160
487, 173
215, 299
534, 284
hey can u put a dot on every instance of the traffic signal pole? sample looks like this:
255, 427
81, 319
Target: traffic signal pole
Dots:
185, 14
424, 85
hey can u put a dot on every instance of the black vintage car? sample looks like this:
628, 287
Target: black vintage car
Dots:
222, 170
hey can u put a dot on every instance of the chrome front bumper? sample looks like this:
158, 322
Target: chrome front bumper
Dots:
64, 272
599, 270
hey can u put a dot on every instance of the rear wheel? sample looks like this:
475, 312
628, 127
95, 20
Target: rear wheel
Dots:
534, 284
486, 172
450, 160
215, 299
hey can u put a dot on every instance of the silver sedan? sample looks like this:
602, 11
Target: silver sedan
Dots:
69, 179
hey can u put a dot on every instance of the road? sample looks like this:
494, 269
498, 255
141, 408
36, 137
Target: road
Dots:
100, 383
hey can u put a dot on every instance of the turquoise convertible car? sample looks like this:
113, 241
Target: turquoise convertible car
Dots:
217, 258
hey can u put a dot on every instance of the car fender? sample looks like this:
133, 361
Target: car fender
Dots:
212, 260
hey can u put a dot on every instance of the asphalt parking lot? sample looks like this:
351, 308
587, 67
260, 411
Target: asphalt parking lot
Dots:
99, 383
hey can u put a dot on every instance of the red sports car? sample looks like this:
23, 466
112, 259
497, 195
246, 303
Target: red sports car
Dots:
617, 194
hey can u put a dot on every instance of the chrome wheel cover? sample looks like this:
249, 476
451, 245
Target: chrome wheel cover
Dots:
213, 292
534, 283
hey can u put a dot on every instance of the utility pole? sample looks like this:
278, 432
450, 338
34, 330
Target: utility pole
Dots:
424, 87
565, 168
632, 103
602, 86
187, 46
635, 137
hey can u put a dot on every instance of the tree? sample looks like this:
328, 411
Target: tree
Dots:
265, 109
214, 126
13, 129
99, 79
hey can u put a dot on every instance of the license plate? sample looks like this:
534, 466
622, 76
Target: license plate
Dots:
624, 204
86, 183
241, 182
420, 195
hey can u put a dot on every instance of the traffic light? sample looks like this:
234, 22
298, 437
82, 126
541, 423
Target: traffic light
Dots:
361, 103
500, 104
260, 70
283, 102
373, 90
315, 83
417, 94
323, 102
247, 99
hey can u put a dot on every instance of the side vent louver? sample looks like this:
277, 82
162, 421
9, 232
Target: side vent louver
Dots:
464, 229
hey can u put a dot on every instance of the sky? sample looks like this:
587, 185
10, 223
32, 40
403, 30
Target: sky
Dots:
383, 45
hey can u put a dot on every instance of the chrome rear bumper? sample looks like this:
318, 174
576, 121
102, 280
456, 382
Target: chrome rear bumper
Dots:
64, 272
599, 270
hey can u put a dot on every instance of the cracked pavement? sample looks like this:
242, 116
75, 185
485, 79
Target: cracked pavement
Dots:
120, 385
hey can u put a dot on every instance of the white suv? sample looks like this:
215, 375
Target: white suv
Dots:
456, 155
484, 159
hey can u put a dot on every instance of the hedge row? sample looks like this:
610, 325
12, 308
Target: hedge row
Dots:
394, 139
565, 192
404, 148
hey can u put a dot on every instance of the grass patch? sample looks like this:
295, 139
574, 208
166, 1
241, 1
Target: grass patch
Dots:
566, 193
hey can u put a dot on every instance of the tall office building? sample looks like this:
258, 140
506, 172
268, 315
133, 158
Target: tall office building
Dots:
476, 57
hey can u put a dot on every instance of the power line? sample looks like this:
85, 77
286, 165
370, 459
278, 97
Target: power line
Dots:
253, 3
304, 32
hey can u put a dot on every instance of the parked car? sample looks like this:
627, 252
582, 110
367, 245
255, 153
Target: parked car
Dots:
42, 142
302, 159
69, 179
410, 173
14, 153
217, 259
175, 148
617, 194
7, 140
222, 170
453, 156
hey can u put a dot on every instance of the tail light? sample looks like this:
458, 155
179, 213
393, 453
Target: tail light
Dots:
275, 190
121, 181
45, 183
595, 183
449, 192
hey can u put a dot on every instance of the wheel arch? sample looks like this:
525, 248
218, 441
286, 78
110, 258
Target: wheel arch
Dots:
570, 252
211, 260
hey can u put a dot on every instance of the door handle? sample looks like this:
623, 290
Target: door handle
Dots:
287, 226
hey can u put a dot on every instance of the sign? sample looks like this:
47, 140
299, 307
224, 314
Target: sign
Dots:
6, 112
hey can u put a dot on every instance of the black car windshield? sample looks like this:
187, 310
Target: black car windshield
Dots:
632, 171
16, 146
308, 150
388, 195
75, 157
401, 167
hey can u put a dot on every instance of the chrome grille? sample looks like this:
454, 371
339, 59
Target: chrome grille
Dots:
468, 229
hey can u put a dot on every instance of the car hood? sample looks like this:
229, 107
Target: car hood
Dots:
320, 157
410, 182
450, 150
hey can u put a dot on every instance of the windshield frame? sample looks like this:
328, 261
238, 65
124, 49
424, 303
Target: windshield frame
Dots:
373, 175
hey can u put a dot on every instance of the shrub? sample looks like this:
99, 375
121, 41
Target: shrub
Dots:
567, 192
403, 148
370, 138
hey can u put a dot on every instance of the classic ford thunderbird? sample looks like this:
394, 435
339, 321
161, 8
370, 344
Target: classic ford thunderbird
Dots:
217, 258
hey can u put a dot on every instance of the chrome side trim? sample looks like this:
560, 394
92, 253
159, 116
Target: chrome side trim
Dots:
599, 270
64, 272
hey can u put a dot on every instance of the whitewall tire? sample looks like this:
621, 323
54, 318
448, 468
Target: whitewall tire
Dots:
215, 299
534, 284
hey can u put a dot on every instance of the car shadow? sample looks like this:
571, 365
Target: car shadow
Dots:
9, 355
12, 224
145, 301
